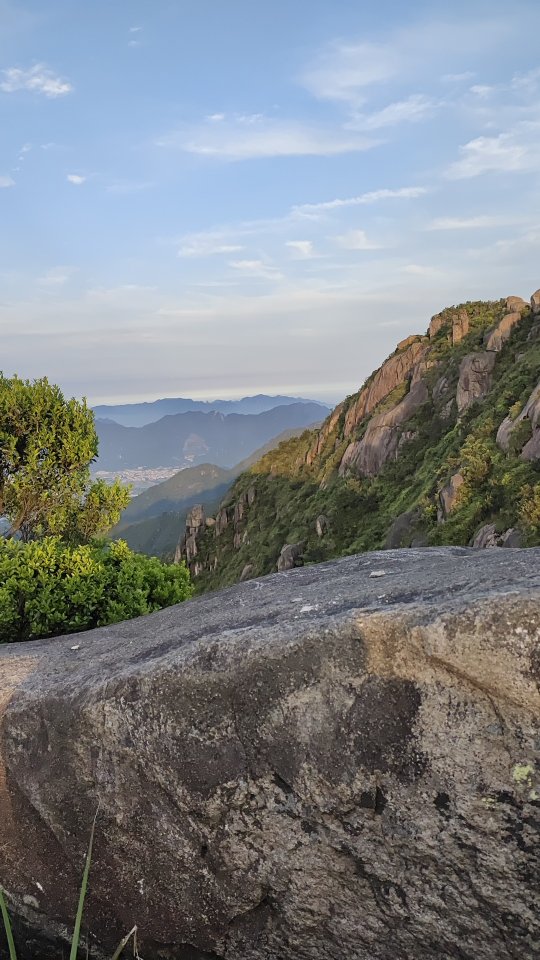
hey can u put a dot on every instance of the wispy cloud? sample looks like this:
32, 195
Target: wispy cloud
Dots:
464, 77
57, 277
466, 223
76, 178
254, 136
347, 71
301, 249
207, 245
415, 108
256, 268
6, 182
344, 70
515, 151
356, 240
373, 196
37, 79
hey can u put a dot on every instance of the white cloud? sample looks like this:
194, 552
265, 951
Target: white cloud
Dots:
135, 29
458, 77
466, 223
373, 196
356, 240
76, 179
301, 249
6, 182
412, 110
37, 79
207, 245
482, 90
215, 117
511, 152
344, 71
256, 268
252, 137
57, 277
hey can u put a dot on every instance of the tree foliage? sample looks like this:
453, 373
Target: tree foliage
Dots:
47, 444
49, 588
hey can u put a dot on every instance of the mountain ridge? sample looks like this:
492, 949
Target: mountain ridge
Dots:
441, 445
186, 439
145, 412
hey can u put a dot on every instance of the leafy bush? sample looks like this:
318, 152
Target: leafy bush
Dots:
49, 588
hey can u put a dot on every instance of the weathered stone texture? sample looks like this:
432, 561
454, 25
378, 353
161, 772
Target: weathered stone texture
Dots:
474, 378
321, 764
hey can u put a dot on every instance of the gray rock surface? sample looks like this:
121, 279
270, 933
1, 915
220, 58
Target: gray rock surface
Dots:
474, 378
322, 525
449, 495
535, 302
291, 556
335, 763
380, 443
501, 332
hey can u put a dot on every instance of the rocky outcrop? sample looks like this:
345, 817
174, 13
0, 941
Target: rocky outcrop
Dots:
517, 305
247, 572
414, 338
531, 413
498, 335
449, 496
535, 303
188, 547
327, 428
457, 321
291, 556
380, 443
474, 379
322, 525
489, 536
393, 372
406, 531
321, 765
460, 326
436, 323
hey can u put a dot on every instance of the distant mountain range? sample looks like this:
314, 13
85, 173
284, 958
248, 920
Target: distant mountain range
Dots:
154, 520
139, 414
187, 439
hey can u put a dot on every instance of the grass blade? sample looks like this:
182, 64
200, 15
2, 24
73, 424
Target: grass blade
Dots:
82, 895
123, 943
7, 927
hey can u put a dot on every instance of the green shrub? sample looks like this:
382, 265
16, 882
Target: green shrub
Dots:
49, 588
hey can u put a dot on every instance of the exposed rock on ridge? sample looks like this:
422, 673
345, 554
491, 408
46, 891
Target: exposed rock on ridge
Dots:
320, 764
381, 440
392, 373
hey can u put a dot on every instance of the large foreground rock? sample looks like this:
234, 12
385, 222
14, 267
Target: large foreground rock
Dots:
335, 763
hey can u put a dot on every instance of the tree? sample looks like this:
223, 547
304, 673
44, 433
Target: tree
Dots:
47, 444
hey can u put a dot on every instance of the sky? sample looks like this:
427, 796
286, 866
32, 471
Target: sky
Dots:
217, 198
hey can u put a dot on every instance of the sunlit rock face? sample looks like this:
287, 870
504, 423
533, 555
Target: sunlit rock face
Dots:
337, 761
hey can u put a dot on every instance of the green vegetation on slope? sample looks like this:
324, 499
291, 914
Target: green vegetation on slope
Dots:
154, 521
291, 487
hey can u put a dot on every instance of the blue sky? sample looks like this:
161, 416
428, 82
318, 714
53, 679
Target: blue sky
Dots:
223, 197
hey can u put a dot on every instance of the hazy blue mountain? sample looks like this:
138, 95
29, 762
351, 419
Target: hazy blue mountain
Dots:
187, 439
154, 520
139, 414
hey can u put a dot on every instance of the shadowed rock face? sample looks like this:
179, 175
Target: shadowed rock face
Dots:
322, 764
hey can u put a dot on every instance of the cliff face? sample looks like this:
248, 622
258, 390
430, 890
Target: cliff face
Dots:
441, 441
336, 762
